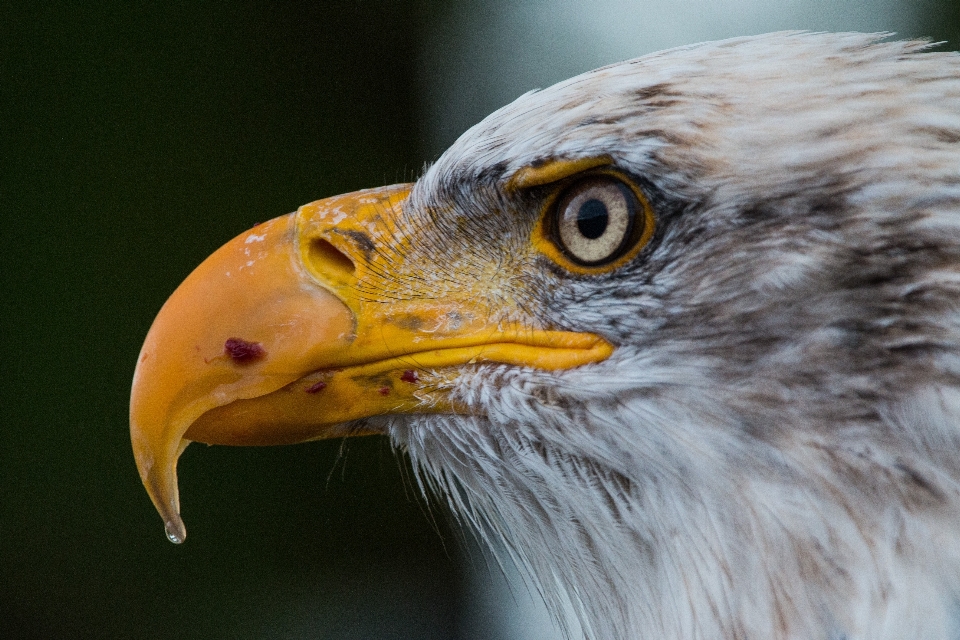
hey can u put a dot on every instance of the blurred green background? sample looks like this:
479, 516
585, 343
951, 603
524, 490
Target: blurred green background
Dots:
136, 139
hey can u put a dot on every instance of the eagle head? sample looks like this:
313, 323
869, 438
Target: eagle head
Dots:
679, 335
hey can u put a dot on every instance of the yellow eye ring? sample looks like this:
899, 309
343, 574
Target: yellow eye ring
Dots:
594, 223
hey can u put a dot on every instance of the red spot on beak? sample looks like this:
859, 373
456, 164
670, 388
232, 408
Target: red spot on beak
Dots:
409, 376
242, 352
316, 387
384, 391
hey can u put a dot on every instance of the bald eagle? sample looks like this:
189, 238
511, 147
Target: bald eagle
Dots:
681, 335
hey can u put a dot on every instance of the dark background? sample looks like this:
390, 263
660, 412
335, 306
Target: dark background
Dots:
136, 140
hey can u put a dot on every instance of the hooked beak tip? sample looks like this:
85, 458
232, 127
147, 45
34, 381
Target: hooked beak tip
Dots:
158, 471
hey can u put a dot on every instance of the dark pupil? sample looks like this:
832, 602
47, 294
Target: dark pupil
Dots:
592, 219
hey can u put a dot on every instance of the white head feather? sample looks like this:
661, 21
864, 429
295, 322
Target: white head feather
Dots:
772, 450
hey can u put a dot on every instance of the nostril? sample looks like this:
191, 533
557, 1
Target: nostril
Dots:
330, 261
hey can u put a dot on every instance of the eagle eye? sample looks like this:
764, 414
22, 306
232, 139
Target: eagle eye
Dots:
597, 223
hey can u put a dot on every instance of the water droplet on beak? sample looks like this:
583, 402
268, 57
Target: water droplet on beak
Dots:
176, 532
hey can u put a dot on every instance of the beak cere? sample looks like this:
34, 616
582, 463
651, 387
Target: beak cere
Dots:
279, 337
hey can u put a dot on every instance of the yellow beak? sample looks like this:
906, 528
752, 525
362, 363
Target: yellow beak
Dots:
281, 336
